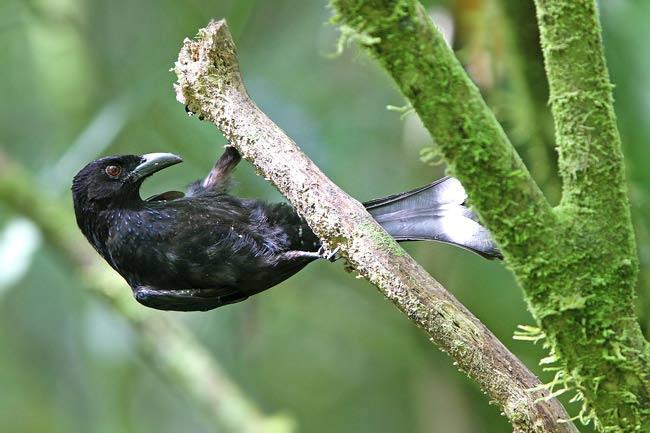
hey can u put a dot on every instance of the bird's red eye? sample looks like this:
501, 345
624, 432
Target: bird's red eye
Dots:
113, 170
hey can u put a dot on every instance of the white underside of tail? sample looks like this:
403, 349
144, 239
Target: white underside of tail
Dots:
435, 213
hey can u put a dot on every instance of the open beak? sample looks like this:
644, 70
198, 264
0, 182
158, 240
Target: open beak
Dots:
153, 162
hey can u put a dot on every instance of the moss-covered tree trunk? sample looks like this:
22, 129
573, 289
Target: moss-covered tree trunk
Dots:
576, 263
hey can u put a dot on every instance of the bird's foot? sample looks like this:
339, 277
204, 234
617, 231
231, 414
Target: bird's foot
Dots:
330, 256
322, 253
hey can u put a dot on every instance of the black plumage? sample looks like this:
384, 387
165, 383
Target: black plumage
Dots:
207, 248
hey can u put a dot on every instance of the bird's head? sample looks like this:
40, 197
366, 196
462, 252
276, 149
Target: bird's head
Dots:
115, 180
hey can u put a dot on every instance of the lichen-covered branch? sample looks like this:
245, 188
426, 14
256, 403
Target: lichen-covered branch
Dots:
576, 264
166, 344
210, 85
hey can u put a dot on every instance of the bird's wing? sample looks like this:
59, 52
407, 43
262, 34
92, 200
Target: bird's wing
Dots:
219, 176
166, 196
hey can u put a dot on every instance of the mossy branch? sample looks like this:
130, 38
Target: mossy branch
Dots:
600, 253
210, 85
577, 264
166, 344
590, 156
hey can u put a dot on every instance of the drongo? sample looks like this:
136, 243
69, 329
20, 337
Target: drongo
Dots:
206, 248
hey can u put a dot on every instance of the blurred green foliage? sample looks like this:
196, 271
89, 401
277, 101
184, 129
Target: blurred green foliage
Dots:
83, 78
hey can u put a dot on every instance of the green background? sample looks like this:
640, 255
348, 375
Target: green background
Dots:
83, 78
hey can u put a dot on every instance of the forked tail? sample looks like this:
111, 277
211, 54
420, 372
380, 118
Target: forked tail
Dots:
435, 212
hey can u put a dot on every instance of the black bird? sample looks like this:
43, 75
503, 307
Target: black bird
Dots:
207, 248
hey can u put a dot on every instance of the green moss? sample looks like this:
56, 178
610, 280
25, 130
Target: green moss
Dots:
382, 239
577, 263
348, 36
